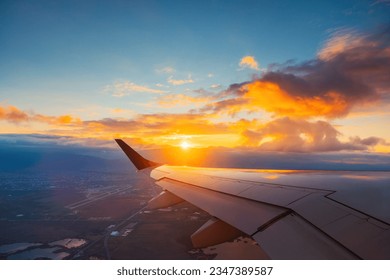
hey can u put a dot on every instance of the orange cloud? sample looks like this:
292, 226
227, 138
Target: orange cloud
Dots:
249, 62
52, 120
350, 71
202, 130
260, 95
13, 114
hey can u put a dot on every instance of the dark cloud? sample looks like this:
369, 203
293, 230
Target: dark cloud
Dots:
369, 141
352, 69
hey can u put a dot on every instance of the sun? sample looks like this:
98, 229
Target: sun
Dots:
185, 145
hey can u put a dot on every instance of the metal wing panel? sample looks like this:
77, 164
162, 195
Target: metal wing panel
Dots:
373, 200
213, 183
274, 194
244, 214
239, 203
294, 238
278, 195
319, 210
365, 238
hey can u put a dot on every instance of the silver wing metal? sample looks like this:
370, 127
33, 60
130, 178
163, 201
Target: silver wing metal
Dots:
291, 214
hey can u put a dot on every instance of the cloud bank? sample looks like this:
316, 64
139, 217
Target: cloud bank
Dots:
281, 134
351, 70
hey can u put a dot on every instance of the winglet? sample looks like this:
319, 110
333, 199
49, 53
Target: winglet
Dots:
139, 161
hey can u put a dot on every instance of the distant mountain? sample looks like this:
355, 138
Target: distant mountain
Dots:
51, 160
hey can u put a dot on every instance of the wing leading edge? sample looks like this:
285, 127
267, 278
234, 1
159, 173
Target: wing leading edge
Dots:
291, 214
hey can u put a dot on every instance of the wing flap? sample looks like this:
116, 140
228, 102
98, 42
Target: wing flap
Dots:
246, 215
293, 238
362, 236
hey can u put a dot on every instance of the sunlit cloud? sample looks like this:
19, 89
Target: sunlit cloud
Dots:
122, 112
180, 82
291, 135
60, 120
120, 89
13, 114
267, 96
342, 41
350, 71
173, 100
204, 130
249, 62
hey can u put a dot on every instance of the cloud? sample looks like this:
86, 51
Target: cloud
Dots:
282, 134
122, 112
261, 95
173, 100
17, 116
215, 86
249, 62
60, 120
369, 141
351, 70
120, 89
166, 70
288, 135
161, 124
13, 114
343, 40
180, 82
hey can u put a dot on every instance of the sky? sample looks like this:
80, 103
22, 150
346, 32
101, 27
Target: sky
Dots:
272, 76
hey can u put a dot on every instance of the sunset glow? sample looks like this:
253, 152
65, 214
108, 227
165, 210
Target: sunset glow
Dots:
328, 93
185, 145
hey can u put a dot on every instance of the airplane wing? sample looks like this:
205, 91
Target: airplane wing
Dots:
291, 214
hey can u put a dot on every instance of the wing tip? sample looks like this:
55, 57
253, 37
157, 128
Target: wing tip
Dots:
139, 161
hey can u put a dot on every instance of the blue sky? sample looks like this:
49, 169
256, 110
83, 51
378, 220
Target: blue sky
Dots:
60, 50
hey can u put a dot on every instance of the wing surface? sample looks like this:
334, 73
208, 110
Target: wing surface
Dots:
291, 214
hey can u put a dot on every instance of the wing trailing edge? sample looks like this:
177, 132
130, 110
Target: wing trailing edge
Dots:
139, 161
